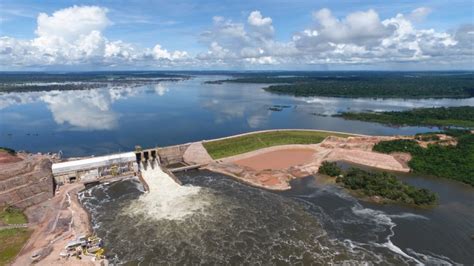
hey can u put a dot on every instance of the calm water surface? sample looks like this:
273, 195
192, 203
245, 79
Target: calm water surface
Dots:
113, 119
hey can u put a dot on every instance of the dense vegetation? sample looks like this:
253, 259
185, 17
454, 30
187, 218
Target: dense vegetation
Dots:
367, 84
462, 116
454, 162
38, 81
386, 186
330, 169
237, 145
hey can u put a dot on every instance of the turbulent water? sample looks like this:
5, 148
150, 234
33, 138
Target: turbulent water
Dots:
312, 224
166, 198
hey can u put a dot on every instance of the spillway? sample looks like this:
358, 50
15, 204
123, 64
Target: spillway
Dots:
166, 199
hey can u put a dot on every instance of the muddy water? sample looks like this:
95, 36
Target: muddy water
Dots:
312, 223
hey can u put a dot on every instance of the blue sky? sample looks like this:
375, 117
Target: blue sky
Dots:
284, 34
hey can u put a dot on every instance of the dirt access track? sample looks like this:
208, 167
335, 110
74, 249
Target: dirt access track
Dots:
274, 167
55, 223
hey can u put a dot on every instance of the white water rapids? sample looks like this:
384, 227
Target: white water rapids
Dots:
166, 199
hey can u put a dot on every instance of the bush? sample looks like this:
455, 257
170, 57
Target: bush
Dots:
330, 169
386, 186
427, 137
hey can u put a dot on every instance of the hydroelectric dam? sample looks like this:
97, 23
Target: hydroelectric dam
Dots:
122, 165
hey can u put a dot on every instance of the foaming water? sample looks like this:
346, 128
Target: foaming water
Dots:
310, 224
166, 199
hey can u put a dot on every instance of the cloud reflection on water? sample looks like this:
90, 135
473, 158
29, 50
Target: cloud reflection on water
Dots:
79, 109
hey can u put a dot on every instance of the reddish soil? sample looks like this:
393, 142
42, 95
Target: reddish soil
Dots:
55, 223
5, 157
274, 167
278, 160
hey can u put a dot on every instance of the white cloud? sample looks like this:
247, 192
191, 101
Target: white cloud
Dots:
362, 38
420, 13
239, 44
260, 24
160, 53
73, 22
256, 19
359, 27
73, 36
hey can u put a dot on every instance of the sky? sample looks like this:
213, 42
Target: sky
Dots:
236, 35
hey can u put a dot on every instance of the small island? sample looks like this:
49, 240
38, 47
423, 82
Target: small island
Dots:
378, 187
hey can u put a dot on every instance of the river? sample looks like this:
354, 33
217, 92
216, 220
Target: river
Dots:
313, 223
224, 221
116, 118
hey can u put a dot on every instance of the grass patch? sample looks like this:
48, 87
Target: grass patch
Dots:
238, 145
11, 242
12, 215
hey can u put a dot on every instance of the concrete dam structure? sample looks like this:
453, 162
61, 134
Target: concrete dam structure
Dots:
97, 169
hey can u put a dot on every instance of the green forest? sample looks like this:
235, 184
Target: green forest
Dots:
382, 184
453, 162
39, 81
366, 84
462, 116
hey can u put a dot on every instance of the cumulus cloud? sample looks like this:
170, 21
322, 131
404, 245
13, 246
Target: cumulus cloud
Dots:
73, 36
73, 22
251, 43
420, 13
160, 53
363, 38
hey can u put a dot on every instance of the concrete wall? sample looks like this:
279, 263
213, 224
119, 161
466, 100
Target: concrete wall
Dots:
172, 154
26, 183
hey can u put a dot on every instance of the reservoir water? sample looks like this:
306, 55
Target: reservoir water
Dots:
223, 221
116, 118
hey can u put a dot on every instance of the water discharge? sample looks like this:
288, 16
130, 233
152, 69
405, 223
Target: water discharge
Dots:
212, 219
166, 199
